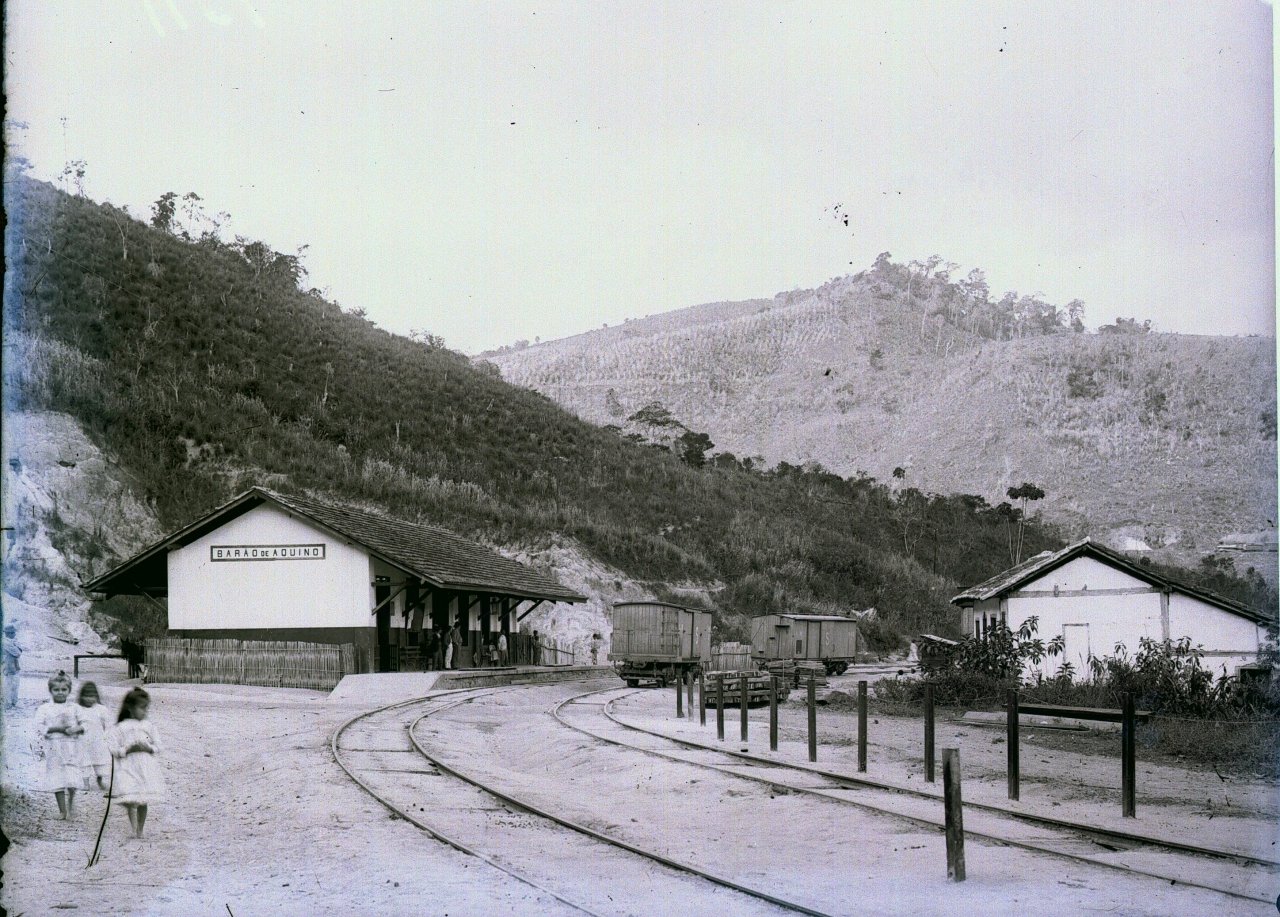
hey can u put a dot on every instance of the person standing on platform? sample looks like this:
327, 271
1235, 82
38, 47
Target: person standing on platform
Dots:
502, 649
595, 649
535, 650
12, 664
453, 648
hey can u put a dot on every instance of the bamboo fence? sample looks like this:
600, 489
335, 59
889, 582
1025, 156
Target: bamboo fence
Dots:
731, 657
269, 663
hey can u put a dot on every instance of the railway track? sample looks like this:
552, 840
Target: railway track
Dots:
379, 751
1089, 844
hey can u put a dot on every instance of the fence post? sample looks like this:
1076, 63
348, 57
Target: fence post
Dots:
743, 688
954, 813
1011, 740
702, 698
679, 699
862, 726
773, 713
928, 733
720, 707
813, 720
1128, 760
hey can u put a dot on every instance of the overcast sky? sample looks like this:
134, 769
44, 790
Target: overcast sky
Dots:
500, 171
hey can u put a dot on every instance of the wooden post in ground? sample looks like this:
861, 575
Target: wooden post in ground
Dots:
744, 688
954, 813
720, 708
1128, 760
862, 726
1011, 740
689, 699
813, 720
928, 733
773, 712
679, 699
702, 698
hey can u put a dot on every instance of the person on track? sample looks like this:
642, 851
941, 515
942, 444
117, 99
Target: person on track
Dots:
12, 665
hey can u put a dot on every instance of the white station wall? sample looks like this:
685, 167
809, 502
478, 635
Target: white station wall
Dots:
238, 594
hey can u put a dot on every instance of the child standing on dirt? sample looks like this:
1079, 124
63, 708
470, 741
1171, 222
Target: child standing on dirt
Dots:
59, 727
134, 743
95, 757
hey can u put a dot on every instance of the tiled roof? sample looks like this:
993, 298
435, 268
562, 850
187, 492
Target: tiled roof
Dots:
436, 555
433, 553
1013, 578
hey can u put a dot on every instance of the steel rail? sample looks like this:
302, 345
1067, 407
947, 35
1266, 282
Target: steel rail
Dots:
600, 836
420, 823
1030, 817
858, 781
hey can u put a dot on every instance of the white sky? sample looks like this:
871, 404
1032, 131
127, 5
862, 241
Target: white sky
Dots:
495, 171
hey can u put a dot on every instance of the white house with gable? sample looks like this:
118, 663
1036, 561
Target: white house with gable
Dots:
1096, 598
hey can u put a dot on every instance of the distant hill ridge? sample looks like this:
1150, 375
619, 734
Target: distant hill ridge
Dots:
1147, 440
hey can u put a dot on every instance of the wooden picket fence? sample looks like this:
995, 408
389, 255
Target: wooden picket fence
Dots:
269, 663
731, 657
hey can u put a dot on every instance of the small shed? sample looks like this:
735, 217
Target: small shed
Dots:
1094, 598
273, 567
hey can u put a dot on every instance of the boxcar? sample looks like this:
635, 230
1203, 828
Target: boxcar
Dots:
829, 639
657, 641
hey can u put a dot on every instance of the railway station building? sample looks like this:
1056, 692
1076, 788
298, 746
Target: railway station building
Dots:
1094, 598
271, 567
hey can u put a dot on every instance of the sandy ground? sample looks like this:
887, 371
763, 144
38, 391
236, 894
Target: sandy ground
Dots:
810, 850
261, 821
1231, 813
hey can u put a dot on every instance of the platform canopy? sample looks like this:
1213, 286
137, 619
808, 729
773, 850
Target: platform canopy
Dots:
439, 558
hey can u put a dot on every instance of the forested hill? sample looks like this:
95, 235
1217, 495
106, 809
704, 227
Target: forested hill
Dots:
1162, 440
201, 368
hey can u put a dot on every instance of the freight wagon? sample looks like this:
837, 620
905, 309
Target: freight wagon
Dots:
659, 642
829, 639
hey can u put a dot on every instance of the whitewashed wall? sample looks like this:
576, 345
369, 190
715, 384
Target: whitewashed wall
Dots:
233, 595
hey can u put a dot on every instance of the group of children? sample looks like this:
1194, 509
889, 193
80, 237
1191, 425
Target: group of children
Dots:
82, 748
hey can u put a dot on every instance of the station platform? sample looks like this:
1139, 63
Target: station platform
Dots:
382, 688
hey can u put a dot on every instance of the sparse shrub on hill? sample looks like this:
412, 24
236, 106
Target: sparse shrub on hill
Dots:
177, 346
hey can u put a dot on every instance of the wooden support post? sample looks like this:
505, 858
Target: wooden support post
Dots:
720, 708
862, 726
928, 733
743, 689
702, 698
813, 720
1011, 740
954, 813
679, 699
689, 689
773, 712
1128, 760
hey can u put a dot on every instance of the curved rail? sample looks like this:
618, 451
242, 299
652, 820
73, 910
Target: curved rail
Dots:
420, 823
605, 838
1061, 824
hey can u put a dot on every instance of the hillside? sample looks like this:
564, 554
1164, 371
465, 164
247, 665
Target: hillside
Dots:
1161, 440
200, 367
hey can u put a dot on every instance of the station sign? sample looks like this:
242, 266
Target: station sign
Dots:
237, 552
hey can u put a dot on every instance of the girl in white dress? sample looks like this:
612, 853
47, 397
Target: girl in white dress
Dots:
58, 731
134, 744
95, 758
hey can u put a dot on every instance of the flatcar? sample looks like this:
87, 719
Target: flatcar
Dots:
659, 642
830, 639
